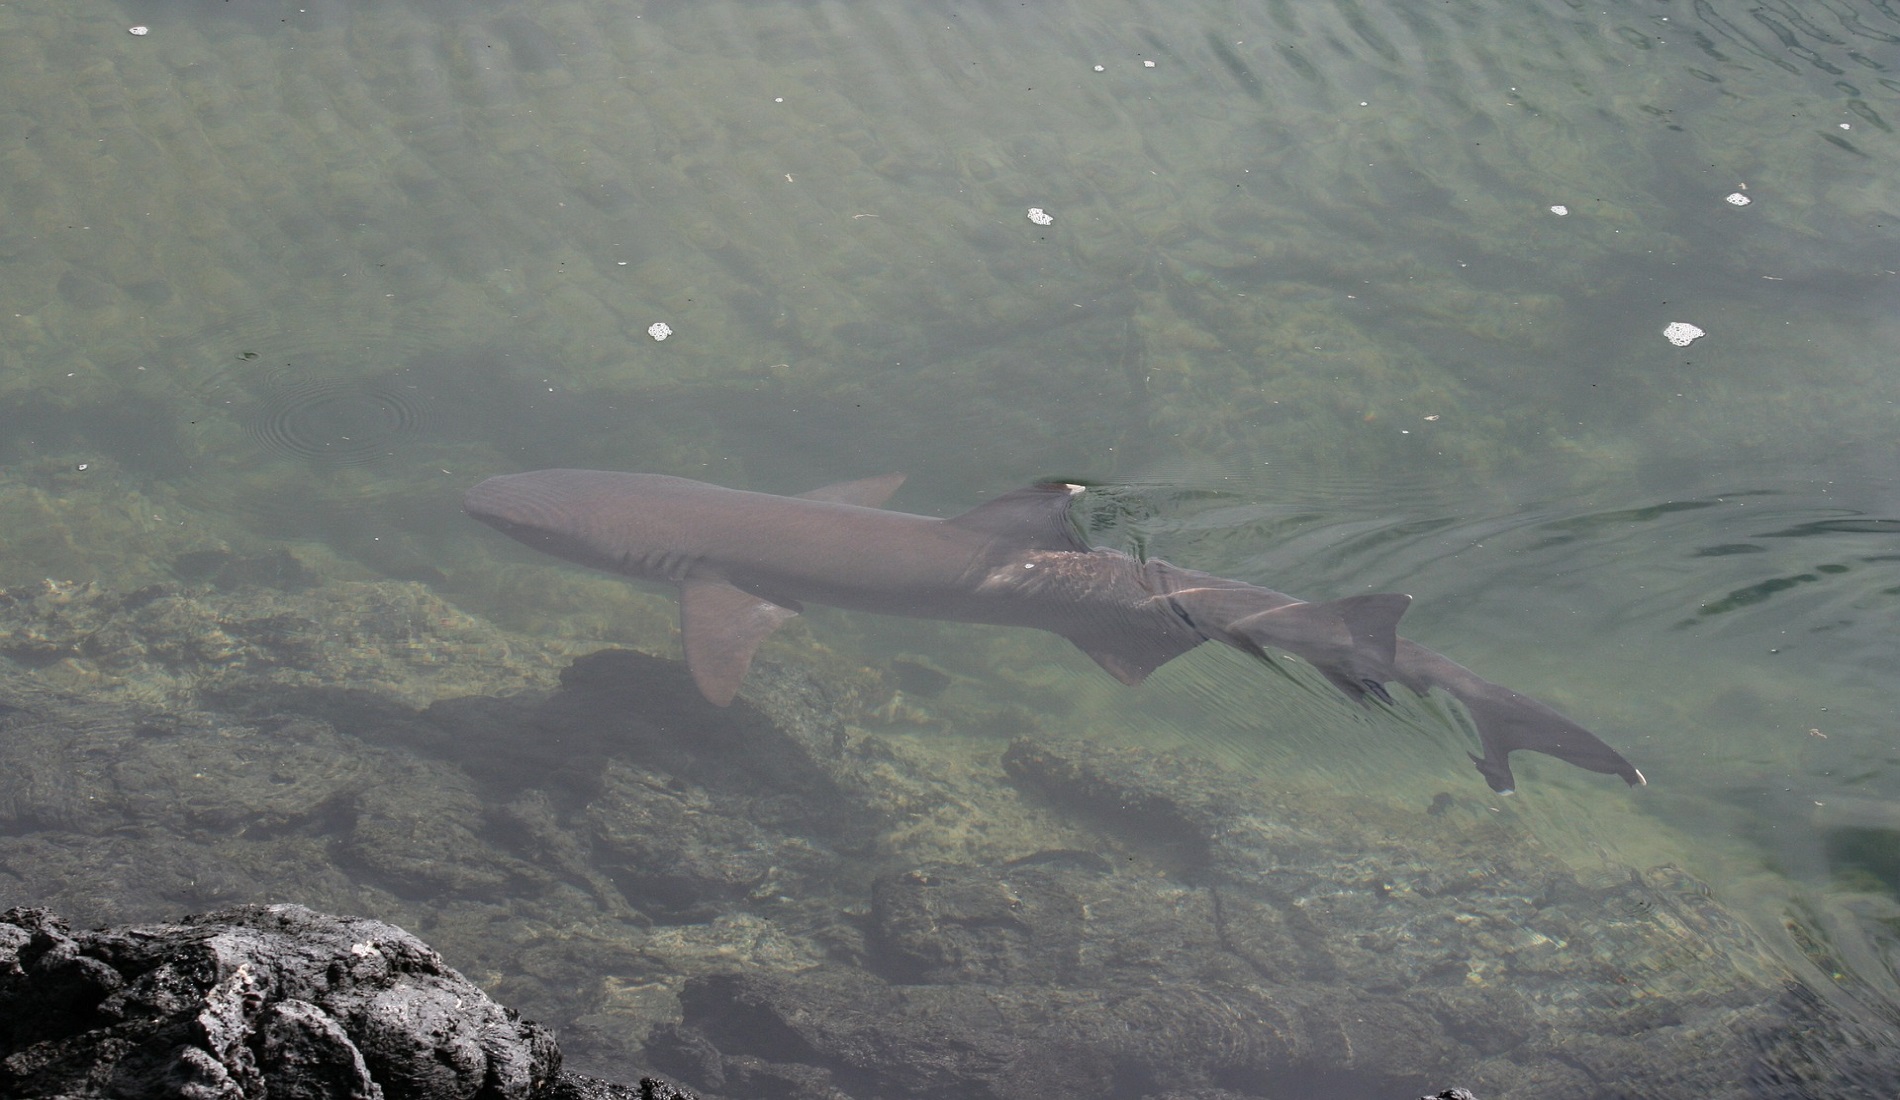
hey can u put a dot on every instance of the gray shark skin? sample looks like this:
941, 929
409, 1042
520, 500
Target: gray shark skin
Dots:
745, 562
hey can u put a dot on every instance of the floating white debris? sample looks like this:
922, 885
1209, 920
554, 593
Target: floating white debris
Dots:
660, 330
1101, 68
1147, 64
1739, 199
1845, 126
141, 31
1560, 211
1682, 333
1040, 216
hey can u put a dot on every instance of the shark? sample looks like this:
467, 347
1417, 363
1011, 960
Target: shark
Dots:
746, 562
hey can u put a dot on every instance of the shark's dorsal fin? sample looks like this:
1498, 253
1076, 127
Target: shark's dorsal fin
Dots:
868, 492
1036, 518
722, 627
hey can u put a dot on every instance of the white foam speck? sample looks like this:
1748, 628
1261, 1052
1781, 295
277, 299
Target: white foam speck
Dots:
1682, 333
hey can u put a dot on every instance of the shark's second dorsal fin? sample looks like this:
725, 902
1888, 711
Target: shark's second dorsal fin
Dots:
1036, 518
1353, 641
722, 627
869, 492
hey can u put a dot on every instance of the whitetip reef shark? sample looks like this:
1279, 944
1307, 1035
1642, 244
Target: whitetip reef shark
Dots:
745, 562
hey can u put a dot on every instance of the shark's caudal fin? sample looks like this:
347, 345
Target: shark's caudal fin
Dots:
1508, 721
722, 626
1352, 641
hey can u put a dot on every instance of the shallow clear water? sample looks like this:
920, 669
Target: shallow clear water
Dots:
1308, 312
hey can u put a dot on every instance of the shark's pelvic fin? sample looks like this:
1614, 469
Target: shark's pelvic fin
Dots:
868, 492
722, 628
1132, 657
1036, 518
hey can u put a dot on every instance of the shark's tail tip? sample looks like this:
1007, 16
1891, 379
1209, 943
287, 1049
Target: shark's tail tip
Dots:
1497, 776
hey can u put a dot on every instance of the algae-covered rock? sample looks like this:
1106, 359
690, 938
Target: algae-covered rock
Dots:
169, 643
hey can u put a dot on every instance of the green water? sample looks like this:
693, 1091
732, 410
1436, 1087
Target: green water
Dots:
279, 276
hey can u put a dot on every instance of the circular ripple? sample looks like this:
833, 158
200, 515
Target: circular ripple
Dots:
335, 423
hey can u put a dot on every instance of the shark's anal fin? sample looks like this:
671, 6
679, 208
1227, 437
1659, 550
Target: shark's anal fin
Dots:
722, 627
869, 492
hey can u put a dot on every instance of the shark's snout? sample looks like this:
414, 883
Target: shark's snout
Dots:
493, 501
550, 510
517, 502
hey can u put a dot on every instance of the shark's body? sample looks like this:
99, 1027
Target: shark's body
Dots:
745, 562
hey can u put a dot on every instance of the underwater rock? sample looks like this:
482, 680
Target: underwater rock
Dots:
771, 903
178, 645
250, 1001
227, 571
1168, 802
670, 845
783, 741
941, 923
1284, 949
100, 768
577, 1086
995, 1041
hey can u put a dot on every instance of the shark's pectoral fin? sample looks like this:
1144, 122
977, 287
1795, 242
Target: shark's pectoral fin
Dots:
869, 492
1352, 641
722, 627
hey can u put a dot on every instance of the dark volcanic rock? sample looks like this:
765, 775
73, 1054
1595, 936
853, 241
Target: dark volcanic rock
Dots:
253, 1001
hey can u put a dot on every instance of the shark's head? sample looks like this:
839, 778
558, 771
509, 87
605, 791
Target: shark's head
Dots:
511, 503
546, 509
